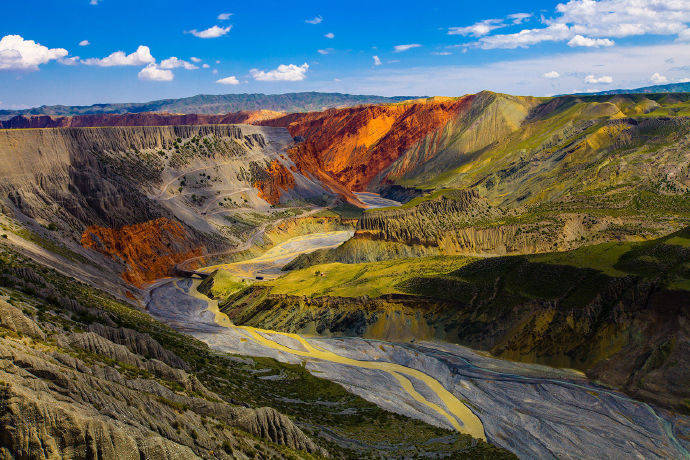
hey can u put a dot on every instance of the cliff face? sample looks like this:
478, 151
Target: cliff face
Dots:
354, 145
137, 119
276, 180
149, 250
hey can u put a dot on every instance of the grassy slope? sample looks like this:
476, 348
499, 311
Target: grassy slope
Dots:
657, 258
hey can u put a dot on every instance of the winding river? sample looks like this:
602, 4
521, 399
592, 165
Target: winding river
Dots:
532, 410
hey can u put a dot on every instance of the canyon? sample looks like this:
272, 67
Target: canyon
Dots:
486, 275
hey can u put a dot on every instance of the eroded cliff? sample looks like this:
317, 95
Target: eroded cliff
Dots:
149, 250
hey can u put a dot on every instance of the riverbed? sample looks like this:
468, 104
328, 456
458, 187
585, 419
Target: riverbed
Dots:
531, 410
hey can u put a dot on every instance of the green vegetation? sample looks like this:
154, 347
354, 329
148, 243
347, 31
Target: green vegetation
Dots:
354, 280
664, 259
221, 284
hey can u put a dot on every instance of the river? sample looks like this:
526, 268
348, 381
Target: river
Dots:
531, 410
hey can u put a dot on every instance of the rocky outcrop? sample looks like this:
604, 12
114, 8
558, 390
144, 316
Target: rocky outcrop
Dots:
139, 343
12, 318
55, 405
274, 182
148, 250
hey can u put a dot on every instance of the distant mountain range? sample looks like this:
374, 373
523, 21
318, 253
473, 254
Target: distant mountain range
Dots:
215, 104
683, 87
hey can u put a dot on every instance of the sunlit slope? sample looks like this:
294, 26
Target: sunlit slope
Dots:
566, 145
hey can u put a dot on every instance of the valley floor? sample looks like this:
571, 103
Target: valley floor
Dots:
531, 410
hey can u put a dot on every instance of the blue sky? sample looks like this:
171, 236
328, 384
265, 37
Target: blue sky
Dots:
89, 51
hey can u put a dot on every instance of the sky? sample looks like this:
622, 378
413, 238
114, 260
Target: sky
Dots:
80, 52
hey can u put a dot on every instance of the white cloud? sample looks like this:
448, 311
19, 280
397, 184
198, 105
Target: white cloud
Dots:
141, 56
326, 51
601, 20
290, 72
224, 16
217, 61
579, 40
441, 53
173, 63
211, 32
93, 2
526, 37
658, 79
591, 79
215, 71
74, 60
195, 59
315, 20
552, 74
376, 59
401, 48
231, 80
630, 66
478, 29
205, 66
84, 43
17, 53
154, 73
330, 35
519, 18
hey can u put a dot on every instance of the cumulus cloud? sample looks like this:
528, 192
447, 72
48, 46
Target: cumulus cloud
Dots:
84, 43
376, 59
195, 59
326, 51
658, 79
141, 56
595, 80
211, 32
478, 29
205, 66
401, 48
552, 74
600, 20
441, 53
231, 80
154, 73
315, 20
579, 40
526, 37
330, 35
17, 53
224, 16
173, 63
290, 72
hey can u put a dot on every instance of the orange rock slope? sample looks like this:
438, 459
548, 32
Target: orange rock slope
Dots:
353, 145
278, 180
149, 250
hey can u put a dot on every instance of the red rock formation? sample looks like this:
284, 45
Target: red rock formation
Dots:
137, 119
353, 145
278, 180
149, 250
